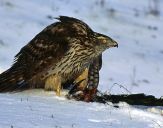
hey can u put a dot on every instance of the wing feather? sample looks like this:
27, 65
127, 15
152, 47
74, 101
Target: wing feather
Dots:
42, 51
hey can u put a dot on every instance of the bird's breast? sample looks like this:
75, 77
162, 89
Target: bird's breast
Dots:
71, 65
73, 70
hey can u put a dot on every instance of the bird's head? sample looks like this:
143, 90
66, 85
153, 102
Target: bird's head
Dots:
72, 27
104, 42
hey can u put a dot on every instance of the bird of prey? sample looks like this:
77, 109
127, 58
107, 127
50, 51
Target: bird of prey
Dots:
64, 52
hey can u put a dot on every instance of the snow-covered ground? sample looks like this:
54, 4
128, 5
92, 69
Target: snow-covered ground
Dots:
136, 64
39, 109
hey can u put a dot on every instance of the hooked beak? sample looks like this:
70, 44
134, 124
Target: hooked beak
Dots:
114, 44
110, 42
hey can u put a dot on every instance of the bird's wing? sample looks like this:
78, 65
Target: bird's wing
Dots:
42, 51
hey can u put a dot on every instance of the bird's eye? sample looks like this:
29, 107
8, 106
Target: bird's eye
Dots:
104, 41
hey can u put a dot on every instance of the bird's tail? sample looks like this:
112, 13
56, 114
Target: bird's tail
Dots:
11, 80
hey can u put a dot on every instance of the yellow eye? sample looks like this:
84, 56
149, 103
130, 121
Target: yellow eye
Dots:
102, 39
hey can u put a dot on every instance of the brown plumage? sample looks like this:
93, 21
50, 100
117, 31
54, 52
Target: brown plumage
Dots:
58, 54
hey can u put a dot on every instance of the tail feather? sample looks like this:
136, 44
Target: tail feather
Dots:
12, 80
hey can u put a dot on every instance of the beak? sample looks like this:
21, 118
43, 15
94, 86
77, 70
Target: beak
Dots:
115, 44
111, 42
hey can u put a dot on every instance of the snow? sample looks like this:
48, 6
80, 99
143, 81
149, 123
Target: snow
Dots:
36, 108
136, 64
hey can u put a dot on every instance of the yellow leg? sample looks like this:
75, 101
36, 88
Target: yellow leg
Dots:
53, 82
58, 90
84, 77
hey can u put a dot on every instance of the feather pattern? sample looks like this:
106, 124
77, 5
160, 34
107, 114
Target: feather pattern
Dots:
64, 48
